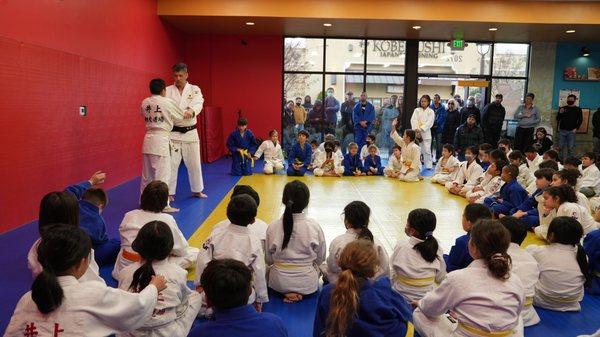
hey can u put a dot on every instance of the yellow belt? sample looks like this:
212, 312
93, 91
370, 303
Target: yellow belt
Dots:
560, 299
528, 301
596, 273
415, 282
483, 333
410, 330
245, 154
284, 265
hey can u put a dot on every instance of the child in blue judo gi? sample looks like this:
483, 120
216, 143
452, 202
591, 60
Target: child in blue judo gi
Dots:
352, 164
512, 194
459, 256
372, 165
299, 158
242, 145
528, 211
228, 284
591, 245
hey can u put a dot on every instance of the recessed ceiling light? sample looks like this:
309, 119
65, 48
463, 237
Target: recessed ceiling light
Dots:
327, 24
416, 27
570, 31
493, 29
249, 23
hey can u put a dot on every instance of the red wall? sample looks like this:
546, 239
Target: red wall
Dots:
236, 76
57, 55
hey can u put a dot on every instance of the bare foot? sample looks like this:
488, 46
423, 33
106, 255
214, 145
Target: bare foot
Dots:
170, 209
199, 195
292, 298
171, 198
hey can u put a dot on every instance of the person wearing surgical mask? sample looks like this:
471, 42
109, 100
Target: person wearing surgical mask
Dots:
569, 119
470, 109
332, 107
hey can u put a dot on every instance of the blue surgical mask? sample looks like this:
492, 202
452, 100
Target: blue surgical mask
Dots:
329, 94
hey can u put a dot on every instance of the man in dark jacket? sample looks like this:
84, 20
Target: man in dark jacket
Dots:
569, 119
468, 134
492, 119
346, 112
470, 109
451, 123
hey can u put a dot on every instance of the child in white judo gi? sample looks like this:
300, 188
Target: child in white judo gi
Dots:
589, 184
446, 168
294, 259
327, 163
271, 149
487, 187
418, 263
411, 154
484, 299
60, 305
525, 177
178, 305
468, 173
356, 221
394, 165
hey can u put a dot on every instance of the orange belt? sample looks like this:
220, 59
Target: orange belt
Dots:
131, 256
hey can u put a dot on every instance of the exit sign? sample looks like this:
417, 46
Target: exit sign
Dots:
457, 44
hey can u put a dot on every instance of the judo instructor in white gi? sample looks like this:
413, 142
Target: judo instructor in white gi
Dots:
185, 143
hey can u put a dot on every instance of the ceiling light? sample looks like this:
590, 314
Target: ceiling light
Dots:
570, 31
585, 52
327, 24
493, 29
249, 23
416, 27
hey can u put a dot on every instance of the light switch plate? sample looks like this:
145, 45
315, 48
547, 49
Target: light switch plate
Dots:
83, 111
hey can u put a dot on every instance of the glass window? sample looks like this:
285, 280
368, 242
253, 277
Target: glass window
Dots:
435, 57
338, 106
301, 54
385, 92
510, 59
309, 88
345, 55
513, 92
386, 56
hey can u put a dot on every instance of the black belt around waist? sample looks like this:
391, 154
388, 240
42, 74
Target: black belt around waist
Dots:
184, 129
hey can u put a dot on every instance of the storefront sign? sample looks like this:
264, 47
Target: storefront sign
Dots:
393, 48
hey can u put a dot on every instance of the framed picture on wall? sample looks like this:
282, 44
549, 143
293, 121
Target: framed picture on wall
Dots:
583, 129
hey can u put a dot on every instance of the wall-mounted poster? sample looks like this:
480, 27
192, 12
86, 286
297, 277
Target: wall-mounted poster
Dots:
586, 121
593, 73
563, 93
570, 73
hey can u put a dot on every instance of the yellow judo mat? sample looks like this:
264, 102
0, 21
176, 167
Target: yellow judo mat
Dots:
390, 201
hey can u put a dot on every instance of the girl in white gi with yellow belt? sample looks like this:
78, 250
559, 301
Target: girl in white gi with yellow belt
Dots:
563, 267
446, 168
178, 305
272, 152
485, 298
60, 305
468, 173
153, 201
295, 246
411, 154
421, 121
356, 220
418, 263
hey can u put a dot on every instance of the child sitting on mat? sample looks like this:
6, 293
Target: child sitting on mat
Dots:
299, 158
241, 144
372, 163
394, 165
468, 173
411, 154
511, 194
328, 164
353, 165
446, 168
459, 257
272, 152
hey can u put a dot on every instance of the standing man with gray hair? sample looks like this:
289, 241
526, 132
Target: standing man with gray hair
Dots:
185, 143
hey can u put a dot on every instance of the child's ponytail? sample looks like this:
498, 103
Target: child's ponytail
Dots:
583, 264
492, 239
295, 198
423, 221
154, 242
62, 248
356, 215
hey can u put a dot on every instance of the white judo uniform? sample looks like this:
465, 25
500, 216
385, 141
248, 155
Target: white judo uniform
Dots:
159, 115
590, 177
441, 175
296, 268
481, 302
182, 254
412, 276
273, 156
422, 119
526, 268
89, 309
258, 229
534, 164
91, 274
186, 145
176, 308
331, 269
572, 210
334, 166
525, 177
394, 165
411, 159
467, 176
491, 186
238, 243
560, 286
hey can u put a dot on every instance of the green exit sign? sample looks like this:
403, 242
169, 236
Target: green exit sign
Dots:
457, 44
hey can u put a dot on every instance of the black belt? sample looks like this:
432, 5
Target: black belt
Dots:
183, 129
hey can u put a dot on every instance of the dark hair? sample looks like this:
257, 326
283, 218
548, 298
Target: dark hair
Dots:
227, 283
246, 189
314, 141
179, 67
304, 132
552, 154
516, 227
295, 198
423, 221
449, 147
357, 215
565, 193
396, 146
155, 197
243, 121
542, 130
411, 134
549, 164
574, 161
530, 94
517, 155
545, 173
157, 85
504, 141
96, 196
372, 137
590, 155
154, 242
485, 147
513, 170
61, 249
474, 212
241, 210
337, 143
427, 97
499, 95
500, 164
474, 151
272, 132
571, 95
329, 145
570, 175
58, 207
492, 240
530, 149
568, 231
496, 155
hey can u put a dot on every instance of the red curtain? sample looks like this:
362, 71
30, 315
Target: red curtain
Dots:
211, 134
